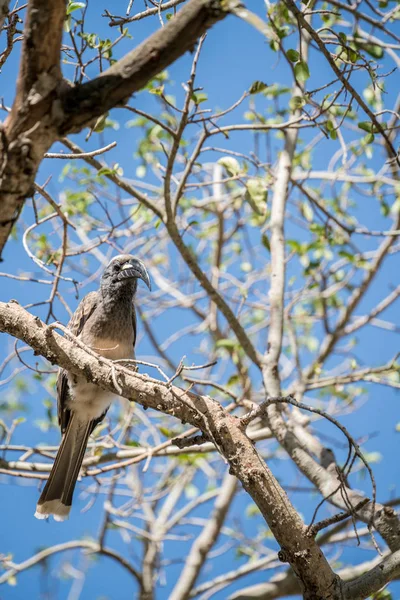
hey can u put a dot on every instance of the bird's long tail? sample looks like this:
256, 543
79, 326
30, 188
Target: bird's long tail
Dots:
56, 497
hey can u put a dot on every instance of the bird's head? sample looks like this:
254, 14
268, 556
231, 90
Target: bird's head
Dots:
123, 271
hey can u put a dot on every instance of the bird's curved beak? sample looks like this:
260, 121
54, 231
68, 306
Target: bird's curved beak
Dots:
135, 269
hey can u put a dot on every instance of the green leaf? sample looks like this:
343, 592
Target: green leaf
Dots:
133, 443
191, 491
373, 457
296, 102
265, 242
158, 91
301, 71
246, 267
141, 171
385, 209
372, 49
74, 6
67, 24
370, 127
330, 126
252, 510
257, 87
225, 343
307, 211
166, 432
256, 195
293, 55
230, 164
233, 380
100, 124
199, 97
365, 126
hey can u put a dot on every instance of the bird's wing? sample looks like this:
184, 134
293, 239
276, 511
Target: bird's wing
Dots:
82, 314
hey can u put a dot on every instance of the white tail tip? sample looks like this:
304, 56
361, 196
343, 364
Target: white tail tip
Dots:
56, 508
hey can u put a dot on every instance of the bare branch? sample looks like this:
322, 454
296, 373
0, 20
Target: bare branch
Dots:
201, 411
204, 542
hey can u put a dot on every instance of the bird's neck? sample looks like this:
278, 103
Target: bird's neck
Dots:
114, 315
118, 299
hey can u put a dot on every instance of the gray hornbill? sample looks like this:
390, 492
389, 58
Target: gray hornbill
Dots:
105, 321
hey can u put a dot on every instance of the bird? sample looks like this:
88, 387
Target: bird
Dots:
105, 321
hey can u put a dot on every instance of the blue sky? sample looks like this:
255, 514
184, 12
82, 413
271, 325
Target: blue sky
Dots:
234, 56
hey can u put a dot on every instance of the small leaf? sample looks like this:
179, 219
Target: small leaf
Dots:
158, 91
293, 55
141, 171
257, 87
199, 97
301, 71
256, 195
191, 491
296, 102
372, 49
373, 457
246, 267
365, 126
307, 211
252, 510
230, 164
74, 6
100, 124
166, 432
265, 242
330, 126
225, 343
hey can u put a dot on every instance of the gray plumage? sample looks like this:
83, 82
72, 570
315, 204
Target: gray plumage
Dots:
105, 321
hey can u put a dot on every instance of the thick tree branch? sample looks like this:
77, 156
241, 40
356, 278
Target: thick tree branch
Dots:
46, 108
363, 579
82, 103
3, 12
301, 551
373, 580
30, 128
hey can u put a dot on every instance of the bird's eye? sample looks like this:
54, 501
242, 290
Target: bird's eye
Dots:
117, 267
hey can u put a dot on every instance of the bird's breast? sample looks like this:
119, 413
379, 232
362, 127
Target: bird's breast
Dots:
113, 348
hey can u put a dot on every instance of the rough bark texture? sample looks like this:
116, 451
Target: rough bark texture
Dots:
315, 577
31, 127
3, 12
46, 107
298, 549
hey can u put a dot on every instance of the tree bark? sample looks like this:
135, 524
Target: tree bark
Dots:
46, 107
225, 430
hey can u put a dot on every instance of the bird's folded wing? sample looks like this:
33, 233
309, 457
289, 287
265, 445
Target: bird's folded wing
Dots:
82, 314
